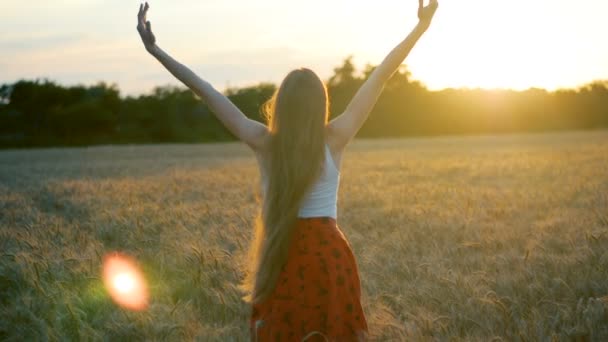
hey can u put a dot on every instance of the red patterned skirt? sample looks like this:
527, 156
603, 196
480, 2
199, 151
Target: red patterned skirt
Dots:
318, 293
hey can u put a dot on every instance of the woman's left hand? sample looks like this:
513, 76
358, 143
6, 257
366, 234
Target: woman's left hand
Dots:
144, 27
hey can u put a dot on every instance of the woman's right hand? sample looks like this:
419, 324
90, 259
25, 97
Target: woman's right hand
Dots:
145, 28
426, 13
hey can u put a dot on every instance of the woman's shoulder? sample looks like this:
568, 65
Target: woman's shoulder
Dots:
262, 151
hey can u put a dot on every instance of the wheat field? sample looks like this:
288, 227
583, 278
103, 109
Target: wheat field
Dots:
501, 238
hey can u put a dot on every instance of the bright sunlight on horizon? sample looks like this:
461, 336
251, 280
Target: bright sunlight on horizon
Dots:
472, 43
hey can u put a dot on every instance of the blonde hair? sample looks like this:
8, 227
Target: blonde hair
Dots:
297, 115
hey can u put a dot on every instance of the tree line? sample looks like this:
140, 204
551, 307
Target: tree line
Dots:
44, 113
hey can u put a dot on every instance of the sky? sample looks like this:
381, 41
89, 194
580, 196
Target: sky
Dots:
471, 43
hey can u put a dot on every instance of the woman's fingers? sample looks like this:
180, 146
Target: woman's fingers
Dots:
427, 12
141, 23
144, 26
149, 27
141, 16
151, 37
143, 12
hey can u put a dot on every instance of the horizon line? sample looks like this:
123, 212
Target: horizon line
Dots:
244, 85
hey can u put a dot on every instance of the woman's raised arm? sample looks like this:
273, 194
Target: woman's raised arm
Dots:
249, 131
343, 128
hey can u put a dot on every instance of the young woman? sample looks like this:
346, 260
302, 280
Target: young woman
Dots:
303, 283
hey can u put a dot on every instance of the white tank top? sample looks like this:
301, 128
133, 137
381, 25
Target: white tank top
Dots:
322, 198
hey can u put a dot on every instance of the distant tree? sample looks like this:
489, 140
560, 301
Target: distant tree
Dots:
251, 99
342, 86
43, 113
5, 93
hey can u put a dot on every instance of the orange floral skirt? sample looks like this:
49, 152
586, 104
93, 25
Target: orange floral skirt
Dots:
318, 294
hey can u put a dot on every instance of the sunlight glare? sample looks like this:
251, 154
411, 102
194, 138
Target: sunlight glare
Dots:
512, 44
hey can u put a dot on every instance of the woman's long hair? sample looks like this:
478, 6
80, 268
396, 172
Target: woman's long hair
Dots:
297, 115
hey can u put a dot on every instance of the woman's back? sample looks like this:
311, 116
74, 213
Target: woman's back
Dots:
322, 197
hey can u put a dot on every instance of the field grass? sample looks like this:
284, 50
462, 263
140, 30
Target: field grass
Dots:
464, 238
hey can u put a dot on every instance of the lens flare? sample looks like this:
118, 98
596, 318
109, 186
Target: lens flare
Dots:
125, 282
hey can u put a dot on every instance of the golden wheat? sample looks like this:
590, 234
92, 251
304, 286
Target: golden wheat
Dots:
468, 238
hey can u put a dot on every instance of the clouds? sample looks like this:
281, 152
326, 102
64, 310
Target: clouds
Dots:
86, 41
241, 42
32, 41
